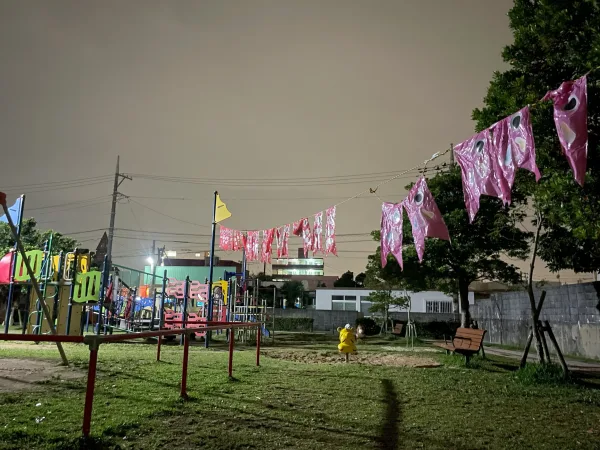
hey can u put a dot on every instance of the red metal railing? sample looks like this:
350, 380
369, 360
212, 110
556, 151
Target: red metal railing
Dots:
94, 341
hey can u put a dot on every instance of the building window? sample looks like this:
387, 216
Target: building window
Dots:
337, 306
432, 306
343, 303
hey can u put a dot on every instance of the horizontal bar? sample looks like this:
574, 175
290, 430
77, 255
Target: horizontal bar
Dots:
175, 331
137, 270
40, 338
214, 322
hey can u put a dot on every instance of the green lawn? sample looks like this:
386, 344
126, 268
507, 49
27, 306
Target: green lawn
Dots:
286, 404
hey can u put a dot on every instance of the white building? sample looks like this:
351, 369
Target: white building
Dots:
355, 299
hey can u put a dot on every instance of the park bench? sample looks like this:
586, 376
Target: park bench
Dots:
397, 331
466, 342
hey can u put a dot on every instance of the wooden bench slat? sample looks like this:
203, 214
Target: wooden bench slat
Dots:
466, 341
468, 332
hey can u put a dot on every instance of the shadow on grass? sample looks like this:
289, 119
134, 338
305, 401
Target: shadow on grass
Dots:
388, 433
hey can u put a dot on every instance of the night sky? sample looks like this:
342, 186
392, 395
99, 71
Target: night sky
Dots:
273, 103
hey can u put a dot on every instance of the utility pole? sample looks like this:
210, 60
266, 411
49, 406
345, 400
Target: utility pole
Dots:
451, 155
119, 178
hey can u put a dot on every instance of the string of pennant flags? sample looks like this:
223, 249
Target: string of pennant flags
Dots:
488, 161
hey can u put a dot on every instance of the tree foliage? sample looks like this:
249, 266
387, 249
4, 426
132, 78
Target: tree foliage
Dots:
291, 291
383, 300
34, 239
476, 252
347, 280
554, 41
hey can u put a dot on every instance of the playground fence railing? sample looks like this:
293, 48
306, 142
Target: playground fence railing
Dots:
94, 342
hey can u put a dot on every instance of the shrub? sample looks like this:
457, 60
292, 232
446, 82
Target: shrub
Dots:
436, 330
541, 374
369, 325
293, 324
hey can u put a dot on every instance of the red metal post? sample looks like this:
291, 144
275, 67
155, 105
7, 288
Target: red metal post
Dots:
158, 348
258, 330
231, 341
89, 393
184, 367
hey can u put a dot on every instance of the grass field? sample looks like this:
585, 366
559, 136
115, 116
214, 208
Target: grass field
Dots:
290, 404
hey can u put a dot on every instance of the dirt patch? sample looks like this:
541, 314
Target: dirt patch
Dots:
26, 374
26, 346
373, 359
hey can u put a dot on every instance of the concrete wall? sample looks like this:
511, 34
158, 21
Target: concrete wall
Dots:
426, 317
572, 311
329, 320
323, 320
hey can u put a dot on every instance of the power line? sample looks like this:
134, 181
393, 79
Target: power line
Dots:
50, 183
162, 198
28, 190
251, 180
169, 216
71, 208
45, 222
272, 182
69, 203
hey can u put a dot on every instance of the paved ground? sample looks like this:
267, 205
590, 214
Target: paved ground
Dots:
573, 364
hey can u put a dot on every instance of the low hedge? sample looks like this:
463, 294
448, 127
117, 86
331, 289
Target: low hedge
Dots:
436, 330
369, 325
293, 324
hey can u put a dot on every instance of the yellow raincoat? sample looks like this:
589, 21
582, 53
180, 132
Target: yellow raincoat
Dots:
347, 340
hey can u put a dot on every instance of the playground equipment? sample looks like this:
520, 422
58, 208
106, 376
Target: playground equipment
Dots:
249, 308
94, 342
65, 295
65, 281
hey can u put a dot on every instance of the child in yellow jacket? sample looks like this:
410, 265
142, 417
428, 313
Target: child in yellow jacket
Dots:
347, 343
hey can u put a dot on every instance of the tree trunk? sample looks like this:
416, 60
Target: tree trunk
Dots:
385, 319
463, 290
535, 324
535, 309
455, 307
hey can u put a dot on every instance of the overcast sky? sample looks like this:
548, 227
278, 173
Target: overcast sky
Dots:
234, 90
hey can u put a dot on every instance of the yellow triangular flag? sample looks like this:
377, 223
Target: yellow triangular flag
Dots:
221, 213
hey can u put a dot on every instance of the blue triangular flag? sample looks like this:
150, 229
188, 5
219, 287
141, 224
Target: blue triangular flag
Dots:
14, 211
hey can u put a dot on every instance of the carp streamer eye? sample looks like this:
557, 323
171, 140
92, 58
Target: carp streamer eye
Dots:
571, 104
479, 146
419, 198
516, 121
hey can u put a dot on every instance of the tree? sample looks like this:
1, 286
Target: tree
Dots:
476, 250
291, 291
34, 239
360, 279
346, 280
554, 41
382, 300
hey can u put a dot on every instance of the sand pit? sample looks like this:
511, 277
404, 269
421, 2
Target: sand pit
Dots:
26, 374
373, 359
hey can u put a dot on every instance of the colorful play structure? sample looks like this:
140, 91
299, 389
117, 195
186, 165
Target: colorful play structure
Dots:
78, 300
78, 296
